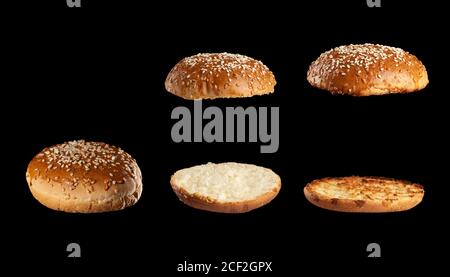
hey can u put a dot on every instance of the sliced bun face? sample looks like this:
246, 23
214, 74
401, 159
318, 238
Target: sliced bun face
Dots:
226, 187
219, 75
367, 69
364, 194
84, 177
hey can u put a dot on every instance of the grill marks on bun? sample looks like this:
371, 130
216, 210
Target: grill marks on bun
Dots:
80, 176
219, 75
367, 69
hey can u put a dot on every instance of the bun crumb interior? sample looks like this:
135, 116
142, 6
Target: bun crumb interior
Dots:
226, 187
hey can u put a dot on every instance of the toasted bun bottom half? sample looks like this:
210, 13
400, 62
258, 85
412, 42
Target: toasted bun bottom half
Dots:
378, 196
84, 177
211, 202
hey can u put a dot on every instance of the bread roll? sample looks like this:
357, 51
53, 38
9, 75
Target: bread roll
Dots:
84, 177
219, 75
226, 187
367, 69
364, 194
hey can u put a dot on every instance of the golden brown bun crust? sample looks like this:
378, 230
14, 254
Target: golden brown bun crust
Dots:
212, 205
367, 69
219, 75
208, 204
84, 177
371, 194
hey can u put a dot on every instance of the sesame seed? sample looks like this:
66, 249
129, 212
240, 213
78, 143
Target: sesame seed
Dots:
358, 57
85, 155
210, 67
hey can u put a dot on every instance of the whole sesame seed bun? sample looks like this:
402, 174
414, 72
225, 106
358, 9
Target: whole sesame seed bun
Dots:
367, 69
219, 75
84, 177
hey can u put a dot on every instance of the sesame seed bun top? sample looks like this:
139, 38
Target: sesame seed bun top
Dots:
80, 176
367, 69
219, 75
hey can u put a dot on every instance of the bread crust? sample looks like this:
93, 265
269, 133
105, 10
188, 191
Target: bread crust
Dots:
367, 69
75, 185
364, 204
219, 75
206, 203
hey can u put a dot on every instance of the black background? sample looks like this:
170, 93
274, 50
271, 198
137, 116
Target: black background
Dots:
97, 73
